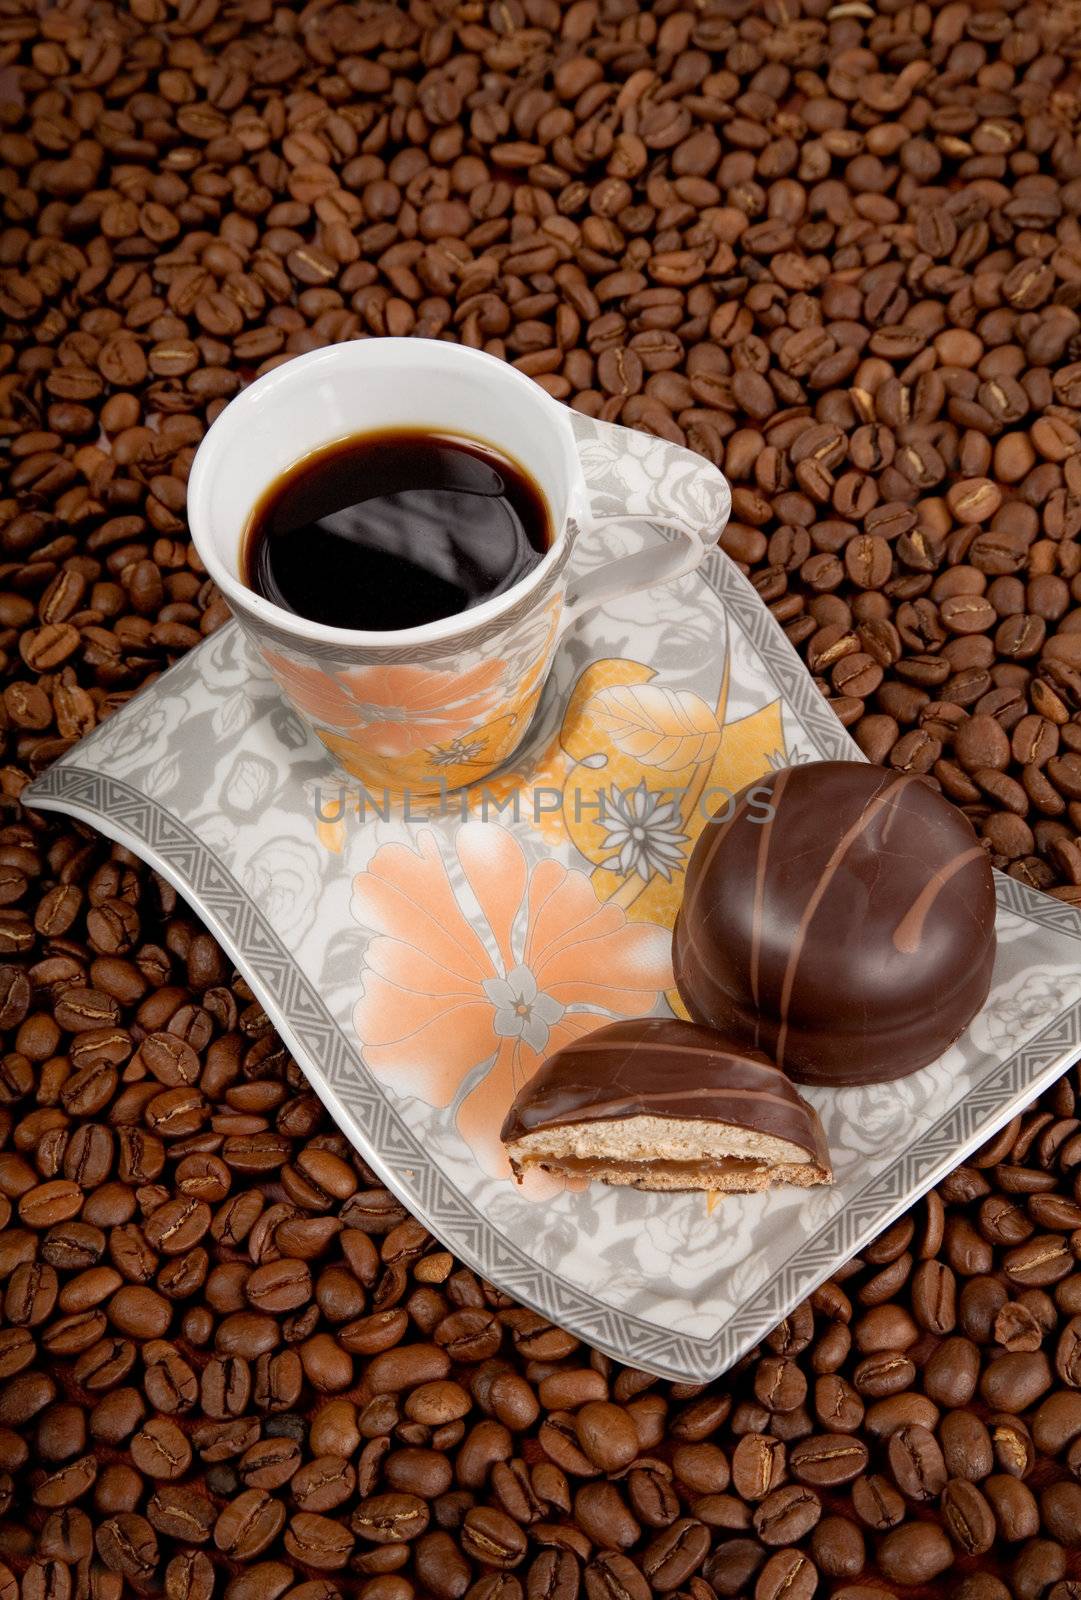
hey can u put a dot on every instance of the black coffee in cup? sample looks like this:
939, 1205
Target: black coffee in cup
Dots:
395, 529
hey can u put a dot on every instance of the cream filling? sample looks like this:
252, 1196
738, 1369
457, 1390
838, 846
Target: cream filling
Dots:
726, 1167
645, 1139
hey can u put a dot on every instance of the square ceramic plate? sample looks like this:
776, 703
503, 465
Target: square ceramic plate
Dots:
420, 966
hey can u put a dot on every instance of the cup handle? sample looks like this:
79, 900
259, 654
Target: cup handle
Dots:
644, 480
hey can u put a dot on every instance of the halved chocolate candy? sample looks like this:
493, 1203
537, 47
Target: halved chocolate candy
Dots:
662, 1104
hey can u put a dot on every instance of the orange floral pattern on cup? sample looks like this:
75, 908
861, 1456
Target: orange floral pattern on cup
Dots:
395, 709
406, 727
448, 992
451, 764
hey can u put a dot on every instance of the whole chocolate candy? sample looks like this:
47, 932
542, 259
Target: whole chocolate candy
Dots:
840, 918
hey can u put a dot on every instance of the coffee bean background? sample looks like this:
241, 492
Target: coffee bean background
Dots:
835, 249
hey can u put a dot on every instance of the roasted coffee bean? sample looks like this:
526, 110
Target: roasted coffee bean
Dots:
161, 1449
599, 1509
916, 1462
670, 1558
787, 1573
552, 1575
1012, 1445
128, 1545
390, 1518
440, 1565
914, 1554
1014, 1381
758, 1466
828, 1459
1014, 1506
652, 1497
1056, 1422
611, 1576
607, 1434
967, 1516
318, 1541
934, 1296
876, 1502
249, 1524
787, 1515
966, 1446
838, 1547
1060, 1508
702, 1468
951, 1374
268, 1463
490, 1536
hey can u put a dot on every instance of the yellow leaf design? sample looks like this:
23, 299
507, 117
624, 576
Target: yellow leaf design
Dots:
578, 735
741, 751
667, 729
746, 748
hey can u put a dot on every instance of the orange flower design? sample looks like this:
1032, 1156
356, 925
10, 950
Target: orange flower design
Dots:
448, 992
392, 710
451, 765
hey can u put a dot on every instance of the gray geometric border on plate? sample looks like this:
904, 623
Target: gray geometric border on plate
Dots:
131, 817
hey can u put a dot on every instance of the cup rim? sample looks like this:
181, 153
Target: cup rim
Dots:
273, 387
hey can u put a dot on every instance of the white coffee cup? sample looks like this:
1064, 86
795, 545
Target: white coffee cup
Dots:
436, 706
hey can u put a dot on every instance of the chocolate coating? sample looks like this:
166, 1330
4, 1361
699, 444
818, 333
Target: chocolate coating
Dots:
850, 934
664, 1067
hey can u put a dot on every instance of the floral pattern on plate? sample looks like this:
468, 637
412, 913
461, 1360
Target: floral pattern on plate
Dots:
476, 987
